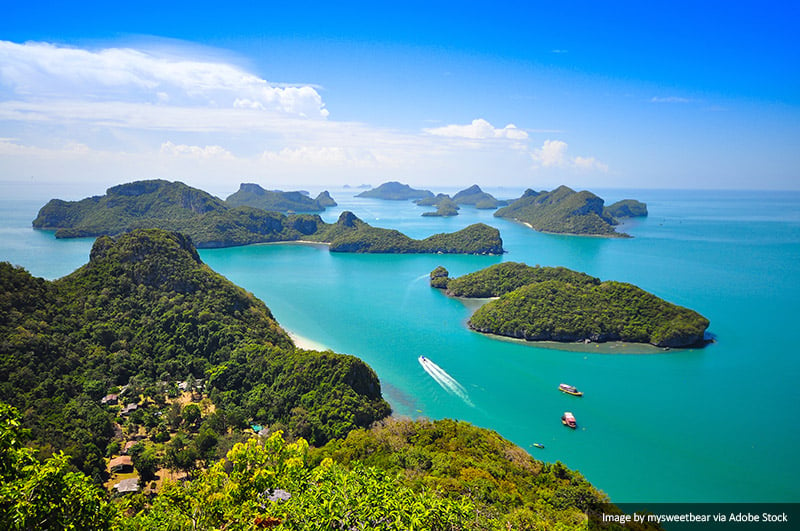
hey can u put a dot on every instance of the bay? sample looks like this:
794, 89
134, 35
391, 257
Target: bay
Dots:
718, 424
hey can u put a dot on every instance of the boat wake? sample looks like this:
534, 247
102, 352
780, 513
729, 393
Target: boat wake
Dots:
447, 382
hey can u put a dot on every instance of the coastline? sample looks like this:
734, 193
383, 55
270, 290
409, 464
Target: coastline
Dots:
606, 347
306, 343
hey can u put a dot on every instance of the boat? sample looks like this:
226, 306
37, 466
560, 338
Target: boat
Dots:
568, 419
569, 389
538, 445
423, 359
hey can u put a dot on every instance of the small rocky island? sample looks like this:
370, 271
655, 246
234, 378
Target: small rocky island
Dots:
253, 195
559, 304
395, 191
565, 211
211, 222
449, 206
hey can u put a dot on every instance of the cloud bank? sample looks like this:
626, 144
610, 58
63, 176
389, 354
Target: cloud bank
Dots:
122, 113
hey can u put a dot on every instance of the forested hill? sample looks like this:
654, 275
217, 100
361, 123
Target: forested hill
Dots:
252, 195
565, 211
558, 304
210, 222
146, 312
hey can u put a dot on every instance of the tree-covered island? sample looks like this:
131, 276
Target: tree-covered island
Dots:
89, 365
395, 191
211, 222
558, 304
565, 211
252, 195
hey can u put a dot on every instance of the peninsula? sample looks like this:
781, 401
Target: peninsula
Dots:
558, 304
212, 223
565, 211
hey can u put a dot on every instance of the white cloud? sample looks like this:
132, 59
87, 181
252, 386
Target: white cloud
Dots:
36, 71
205, 152
479, 129
553, 154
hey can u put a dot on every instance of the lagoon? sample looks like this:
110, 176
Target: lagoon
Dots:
718, 424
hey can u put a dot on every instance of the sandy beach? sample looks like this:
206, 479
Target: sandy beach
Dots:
305, 343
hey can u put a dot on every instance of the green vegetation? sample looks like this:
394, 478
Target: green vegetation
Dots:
478, 198
399, 475
562, 211
627, 208
505, 277
395, 191
445, 207
350, 234
146, 313
209, 222
253, 195
557, 304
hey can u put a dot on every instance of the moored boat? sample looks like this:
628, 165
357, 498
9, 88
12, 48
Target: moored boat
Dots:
538, 445
568, 419
569, 389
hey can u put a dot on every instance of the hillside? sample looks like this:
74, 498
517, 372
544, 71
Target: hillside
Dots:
557, 304
395, 191
210, 222
146, 310
476, 197
562, 211
627, 208
253, 195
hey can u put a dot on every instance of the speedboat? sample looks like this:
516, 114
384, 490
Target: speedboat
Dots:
568, 419
569, 389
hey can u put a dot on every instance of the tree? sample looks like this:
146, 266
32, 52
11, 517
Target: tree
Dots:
46, 495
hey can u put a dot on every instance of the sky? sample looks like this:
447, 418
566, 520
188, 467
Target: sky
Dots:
521, 94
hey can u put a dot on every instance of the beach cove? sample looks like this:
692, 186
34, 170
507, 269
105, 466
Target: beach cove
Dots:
684, 425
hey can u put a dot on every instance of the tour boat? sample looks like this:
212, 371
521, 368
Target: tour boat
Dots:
568, 419
569, 389
538, 445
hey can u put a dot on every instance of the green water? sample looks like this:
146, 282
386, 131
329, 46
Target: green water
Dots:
712, 424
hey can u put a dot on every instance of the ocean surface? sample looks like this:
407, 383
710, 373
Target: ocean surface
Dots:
717, 424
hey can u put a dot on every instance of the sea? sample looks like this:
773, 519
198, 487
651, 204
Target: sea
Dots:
713, 424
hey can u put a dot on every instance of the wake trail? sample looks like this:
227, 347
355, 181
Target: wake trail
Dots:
445, 381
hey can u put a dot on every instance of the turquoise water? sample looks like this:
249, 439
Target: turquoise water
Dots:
712, 424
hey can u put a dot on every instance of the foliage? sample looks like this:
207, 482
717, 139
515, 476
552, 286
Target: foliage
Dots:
253, 195
210, 222
505, 277
395, 191
44, 495
562, 211
506, 485
478, 198
350, 234
610, 311
273, 482
445, 207
627, 208
146, 309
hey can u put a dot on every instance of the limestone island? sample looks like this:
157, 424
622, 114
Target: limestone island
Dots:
559, 304
395, 191
565, 211
449, 206
253, 195
211, 222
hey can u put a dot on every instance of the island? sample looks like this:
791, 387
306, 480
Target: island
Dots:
211, 223
627, 208
449, 206
145, 360
395, 191
478, 198
565, 211
253, 195
558, 304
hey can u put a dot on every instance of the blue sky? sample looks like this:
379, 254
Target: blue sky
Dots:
526, 94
